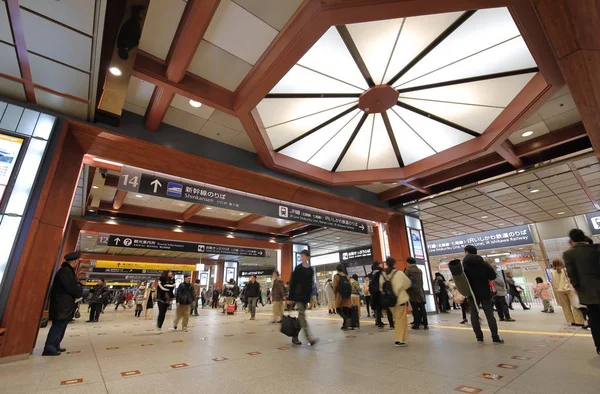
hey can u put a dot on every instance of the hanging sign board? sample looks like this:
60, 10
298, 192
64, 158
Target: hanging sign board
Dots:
137, 180
257, 273
132, 266
356, 254
511, 236
593, 220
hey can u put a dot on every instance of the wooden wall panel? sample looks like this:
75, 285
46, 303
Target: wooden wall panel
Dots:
286, 262
398, 240
377, 245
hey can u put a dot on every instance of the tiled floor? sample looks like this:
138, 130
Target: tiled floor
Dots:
228, 354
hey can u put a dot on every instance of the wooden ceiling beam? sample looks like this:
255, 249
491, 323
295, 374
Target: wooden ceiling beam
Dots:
416, 186
16, 25
243, 222
551, 140
292, 227
192, 211
120, 196
506, 150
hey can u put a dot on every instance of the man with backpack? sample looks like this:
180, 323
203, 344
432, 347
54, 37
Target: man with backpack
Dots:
343, 293
393, 284
416, 294
376, 270
231, 292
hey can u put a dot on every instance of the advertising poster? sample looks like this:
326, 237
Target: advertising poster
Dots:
417, 243
9, 151
229, 274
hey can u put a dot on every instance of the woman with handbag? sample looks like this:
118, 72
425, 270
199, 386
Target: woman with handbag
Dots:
564, 295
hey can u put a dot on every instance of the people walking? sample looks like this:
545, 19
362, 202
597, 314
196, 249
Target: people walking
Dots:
231, 292
314, 296
330, 296
355, 296
541, 291
99, 293
582, 265
441, 292
277, 294
393, 284
376, 270
120, 300
185, 299
149, 300
479, 274
367, 294
253, 293
514, 291
564, 296
343, 293
300, 293
194, 309
65, 290
500, 300
215, 298
139, 299
416, 294
164, 296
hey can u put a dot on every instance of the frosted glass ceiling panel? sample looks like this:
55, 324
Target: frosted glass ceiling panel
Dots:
509, 56
328, 155
308, 146
412, 147
382, 153
303, 80
375, 43
276, 111
357, 156
438, 135
285, 132
331, 57
497, 92
476, 118
417, 33
482, 30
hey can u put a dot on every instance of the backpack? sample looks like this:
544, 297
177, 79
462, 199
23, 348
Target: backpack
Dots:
388, 298
374, 284
230, 291
344, 287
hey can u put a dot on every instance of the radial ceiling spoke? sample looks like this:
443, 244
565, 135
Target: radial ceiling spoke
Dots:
390, 132
451, 29
350, 141
309, 132
471, 79
347, 38
311, 95
438, 119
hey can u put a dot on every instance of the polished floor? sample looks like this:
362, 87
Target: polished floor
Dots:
227, 354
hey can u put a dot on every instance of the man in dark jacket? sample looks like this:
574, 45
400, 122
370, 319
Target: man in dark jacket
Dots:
65, 290
185, 298
253, 293
301, 286
479, 274
376, 270
583, 267
98, 294
278, 294
416, 294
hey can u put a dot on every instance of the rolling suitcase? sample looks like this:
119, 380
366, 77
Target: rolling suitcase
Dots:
231, 308
354, 320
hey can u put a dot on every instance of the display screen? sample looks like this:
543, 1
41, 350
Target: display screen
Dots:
415, 237
358, 270
9, 151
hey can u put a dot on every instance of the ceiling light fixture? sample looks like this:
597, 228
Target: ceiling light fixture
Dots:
112, 163
242, 214
116, 71
94, 187
89, 236
560, 213
90, 210
484, 217
208, 208
527, 133
534, 191
139, 196
520, 170
230, 236
195, 104
272, 241
111, 222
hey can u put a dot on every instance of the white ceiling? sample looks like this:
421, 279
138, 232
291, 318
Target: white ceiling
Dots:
324, 241
487, 43
510, 201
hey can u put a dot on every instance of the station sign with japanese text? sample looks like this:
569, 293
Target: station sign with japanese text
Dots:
257, 273
356, 254
593, 220
512, 236
137, 180
166, 245
126, 265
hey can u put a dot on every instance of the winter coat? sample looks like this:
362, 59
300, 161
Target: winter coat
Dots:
185, 294
541, 291
583, 268
329, 291
560, 281
339, 301
65, 289
252, 289
355, 287
400, 283
415, 292
479, 273
500, 287
164, 293
301, 284
231, 290
196, 291
278, 290
98, 293
139, 295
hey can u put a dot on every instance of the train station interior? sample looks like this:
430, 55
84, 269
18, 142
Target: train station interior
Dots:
209, 145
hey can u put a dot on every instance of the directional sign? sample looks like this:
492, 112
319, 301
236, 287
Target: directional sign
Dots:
177, 246
140, 181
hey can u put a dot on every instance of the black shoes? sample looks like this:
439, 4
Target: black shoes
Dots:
51, 353
510, 319
62, 349
499, 341
295, 341
526, 308
426, 328
464, 321
415, 327
501, 319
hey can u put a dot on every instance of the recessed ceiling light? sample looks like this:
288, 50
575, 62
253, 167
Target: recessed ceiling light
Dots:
116, 71
195, 104
287, 222
534, 191
484, 217
90, 210
230, 236
527, 133
208, 208
113, 218
94, 187
520, 170
111, 222
178, 230
242, 214
139, 196
560, 213
89, 236
272, 241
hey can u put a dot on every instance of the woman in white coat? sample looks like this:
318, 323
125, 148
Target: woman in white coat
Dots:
330, 297
400, 283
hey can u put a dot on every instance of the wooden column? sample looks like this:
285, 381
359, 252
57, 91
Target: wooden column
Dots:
398, 240
286, 262
220, 274
41, 252
377, 244
572, 28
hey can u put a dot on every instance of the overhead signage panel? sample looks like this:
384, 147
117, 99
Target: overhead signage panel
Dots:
133, 271
154, 184
123, 241
593, 220
511, 236
356, 254
133, 266
268, 272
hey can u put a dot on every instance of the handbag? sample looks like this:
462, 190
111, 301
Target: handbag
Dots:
492, 287
77, 314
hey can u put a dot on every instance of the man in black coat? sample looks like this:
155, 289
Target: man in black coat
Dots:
301, 285
65, 290
479, 273
253, 293
376, 270
99, 294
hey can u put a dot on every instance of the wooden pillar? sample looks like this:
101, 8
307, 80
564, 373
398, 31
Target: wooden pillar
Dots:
42, 248
377, 244
398, 240
286, 262
220, 274
572, 28
195, 276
